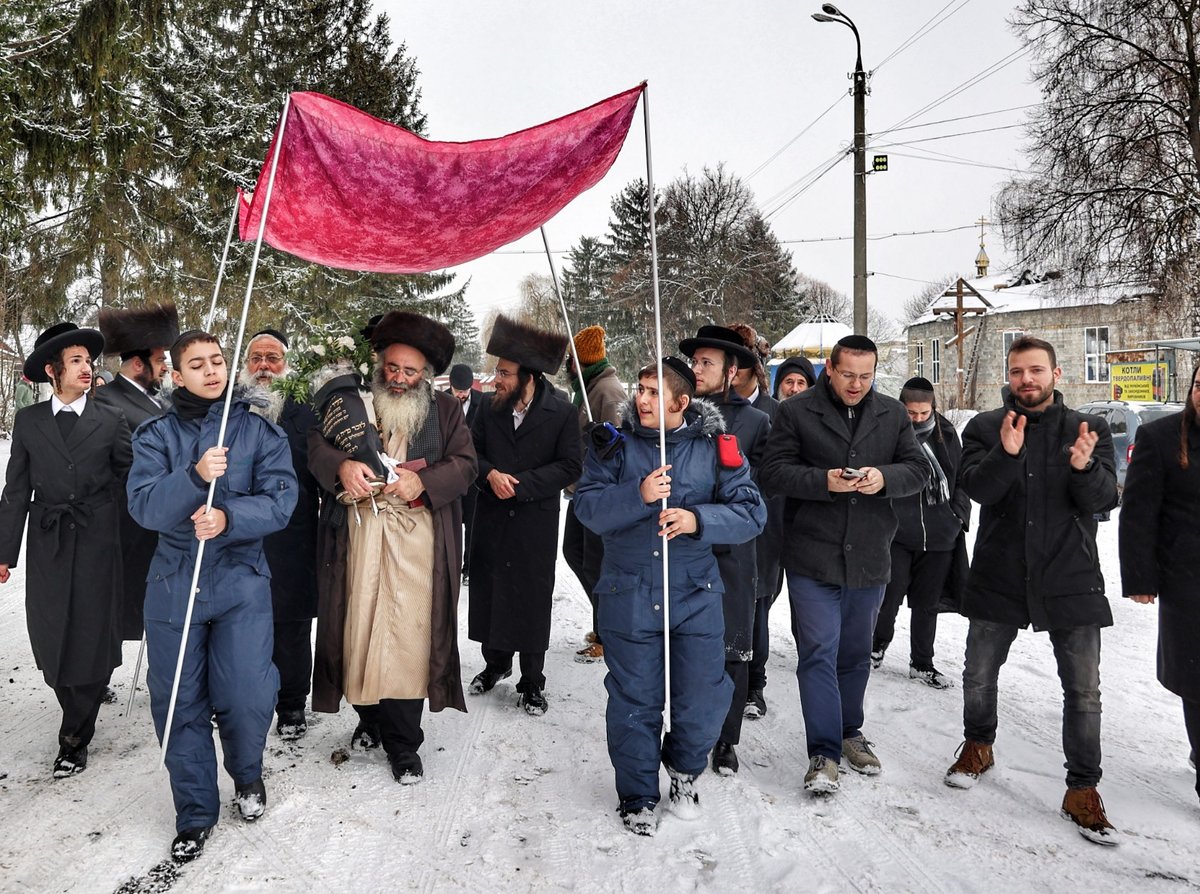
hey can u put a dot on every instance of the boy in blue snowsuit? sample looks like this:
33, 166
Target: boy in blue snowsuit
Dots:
227, 669
619, 498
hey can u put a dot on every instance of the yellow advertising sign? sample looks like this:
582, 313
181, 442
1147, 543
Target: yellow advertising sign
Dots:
1139, 381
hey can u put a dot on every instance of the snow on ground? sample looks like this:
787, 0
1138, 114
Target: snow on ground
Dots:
512, 803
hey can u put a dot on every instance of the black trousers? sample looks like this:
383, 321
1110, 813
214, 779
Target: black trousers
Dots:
292, 655
532, 666
921, 576
80, 706
731, 729
584, 551
762, 643
468, 510
1191, 719
399, 722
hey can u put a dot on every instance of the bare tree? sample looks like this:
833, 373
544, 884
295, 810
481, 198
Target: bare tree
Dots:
1114, 192
916, 306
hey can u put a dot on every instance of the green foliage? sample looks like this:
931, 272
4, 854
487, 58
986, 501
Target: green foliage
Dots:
322, 350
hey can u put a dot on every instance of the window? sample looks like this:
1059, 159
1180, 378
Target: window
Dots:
935, 358
920, 358
1009, 337
1095, 346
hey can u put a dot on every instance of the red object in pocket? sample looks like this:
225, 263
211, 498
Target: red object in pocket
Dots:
729, 455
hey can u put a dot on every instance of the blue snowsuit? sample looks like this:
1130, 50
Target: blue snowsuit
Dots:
227, 668
728, 509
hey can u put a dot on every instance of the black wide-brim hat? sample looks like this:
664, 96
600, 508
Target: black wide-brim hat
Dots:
50, 345
722, 339
424, 333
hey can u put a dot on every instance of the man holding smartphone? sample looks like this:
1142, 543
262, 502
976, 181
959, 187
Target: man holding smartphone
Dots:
839, 453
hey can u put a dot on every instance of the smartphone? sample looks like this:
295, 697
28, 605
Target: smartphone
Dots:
853, 473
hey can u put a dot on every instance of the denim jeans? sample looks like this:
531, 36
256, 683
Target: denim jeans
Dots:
1077, 651
833, 627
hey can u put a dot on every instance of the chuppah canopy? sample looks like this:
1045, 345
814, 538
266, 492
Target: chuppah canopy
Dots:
354, 192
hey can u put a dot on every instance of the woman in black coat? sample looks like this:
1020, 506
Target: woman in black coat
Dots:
1160, 538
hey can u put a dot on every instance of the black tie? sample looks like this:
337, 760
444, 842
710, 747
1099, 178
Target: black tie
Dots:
66, 420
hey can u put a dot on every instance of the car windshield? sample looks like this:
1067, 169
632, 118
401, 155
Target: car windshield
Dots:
1149, 414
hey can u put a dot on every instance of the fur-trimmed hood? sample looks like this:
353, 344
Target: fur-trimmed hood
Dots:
702, 417
533, 348
139, 328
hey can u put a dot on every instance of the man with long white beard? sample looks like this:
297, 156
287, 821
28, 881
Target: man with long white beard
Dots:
291, 553
387, 633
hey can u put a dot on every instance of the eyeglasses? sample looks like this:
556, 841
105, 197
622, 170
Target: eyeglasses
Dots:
407, 371
704, 362
268, 358
505, 374
848, 377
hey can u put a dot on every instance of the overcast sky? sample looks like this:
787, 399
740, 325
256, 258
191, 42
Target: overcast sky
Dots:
736, 83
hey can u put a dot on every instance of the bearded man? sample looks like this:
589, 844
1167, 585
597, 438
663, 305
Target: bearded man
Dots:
291, 553
527, 439
387, 632
140, 336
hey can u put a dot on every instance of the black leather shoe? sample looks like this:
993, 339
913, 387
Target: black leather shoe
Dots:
724, 759
70, 762
486, 680
406, 767
756, 705
533, 700
189, 843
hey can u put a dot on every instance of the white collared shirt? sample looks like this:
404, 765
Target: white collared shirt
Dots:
76, 406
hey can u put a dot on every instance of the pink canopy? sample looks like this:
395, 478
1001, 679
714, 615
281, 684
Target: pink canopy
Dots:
355, 192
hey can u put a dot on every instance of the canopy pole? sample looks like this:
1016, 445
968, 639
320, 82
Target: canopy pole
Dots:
567, 320
212, 485
662, 415
212, 308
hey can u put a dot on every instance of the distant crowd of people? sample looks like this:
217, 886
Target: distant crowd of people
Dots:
220, 527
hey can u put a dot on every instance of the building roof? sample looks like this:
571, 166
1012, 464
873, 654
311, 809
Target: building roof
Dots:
812, 338
1009, 293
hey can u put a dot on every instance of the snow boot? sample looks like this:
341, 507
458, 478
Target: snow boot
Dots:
974, 759
590, 654
877, 656
533, 700
756, 705
292, 725
858, 754
486, 680
407, 768
822, 776
189, 843
1084, 808
684, 799
251, 800
929, 675
641, 822
70, 762
724, 759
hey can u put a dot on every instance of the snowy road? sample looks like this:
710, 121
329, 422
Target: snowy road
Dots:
512, 803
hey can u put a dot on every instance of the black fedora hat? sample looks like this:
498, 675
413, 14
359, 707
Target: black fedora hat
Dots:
722, 339
49, 346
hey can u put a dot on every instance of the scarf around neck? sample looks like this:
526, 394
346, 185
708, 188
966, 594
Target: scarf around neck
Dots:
937, 488
189, 406
579, 383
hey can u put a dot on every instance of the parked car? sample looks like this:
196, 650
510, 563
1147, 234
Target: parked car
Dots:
1124, 417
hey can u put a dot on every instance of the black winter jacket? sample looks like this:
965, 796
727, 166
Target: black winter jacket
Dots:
1035, 556
935, 527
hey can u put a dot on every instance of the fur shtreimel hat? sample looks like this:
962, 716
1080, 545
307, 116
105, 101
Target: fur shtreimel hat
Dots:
533, 348
589, 344
50, 344
132, 329
424, 333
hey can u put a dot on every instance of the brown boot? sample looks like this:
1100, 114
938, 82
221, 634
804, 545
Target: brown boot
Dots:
1084, 808
974, 759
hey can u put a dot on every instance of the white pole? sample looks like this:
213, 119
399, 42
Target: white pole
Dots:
187, 621
212, 308
662, 416
567, 321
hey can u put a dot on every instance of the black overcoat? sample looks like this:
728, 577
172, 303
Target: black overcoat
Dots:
842, 539
292, 552
1035, 558
137, 543
70, 493
515, 544
1160, 538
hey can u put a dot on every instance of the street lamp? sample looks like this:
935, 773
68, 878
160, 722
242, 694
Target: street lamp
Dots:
830, 13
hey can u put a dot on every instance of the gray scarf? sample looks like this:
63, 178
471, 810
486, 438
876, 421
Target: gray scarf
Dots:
937, 488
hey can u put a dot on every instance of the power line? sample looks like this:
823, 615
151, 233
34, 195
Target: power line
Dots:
789, 143
806, 187
927, 282
921, 32
945, 136
963, 117
955, 161
879, 236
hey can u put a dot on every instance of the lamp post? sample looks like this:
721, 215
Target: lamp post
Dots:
830, 13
